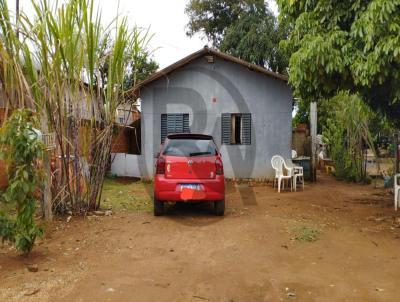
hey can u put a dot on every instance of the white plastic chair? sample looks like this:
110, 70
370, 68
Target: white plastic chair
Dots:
297, 173
294, 153
396, 191
278, 163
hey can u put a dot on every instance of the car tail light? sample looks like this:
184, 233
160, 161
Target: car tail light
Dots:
219, 169
160, 165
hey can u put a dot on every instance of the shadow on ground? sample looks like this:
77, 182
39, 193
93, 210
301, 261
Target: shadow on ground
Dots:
192, 213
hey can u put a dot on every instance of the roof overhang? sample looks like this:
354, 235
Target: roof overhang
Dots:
200, 53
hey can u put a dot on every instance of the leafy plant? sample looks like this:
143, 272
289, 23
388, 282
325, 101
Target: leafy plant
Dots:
21, 149
347, 135
74, 72
348, 45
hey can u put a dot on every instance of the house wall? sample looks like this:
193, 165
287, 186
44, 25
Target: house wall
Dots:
126, 164
128, 113
205, 90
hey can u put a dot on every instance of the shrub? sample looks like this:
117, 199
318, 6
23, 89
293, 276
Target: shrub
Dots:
21, 149
347, 134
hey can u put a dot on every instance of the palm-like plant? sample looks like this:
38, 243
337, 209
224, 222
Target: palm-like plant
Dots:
56, 67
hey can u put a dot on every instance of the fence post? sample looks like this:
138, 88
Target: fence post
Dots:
397, 153
314, 148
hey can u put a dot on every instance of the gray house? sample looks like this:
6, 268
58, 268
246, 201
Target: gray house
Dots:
246, 108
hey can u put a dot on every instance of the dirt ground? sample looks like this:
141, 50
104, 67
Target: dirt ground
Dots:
254, 253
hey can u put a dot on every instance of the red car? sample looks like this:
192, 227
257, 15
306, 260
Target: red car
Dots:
189, 168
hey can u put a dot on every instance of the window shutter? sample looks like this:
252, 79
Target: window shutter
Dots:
174, 123
163, 127
171, 123
178, 124
226, 128
246, 128
186, 128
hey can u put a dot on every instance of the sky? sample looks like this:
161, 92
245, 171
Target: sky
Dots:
166, 19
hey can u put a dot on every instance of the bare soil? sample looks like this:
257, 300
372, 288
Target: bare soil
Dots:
251, 254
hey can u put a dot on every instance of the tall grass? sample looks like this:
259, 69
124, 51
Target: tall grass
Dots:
347, 135
14, 89
71, 69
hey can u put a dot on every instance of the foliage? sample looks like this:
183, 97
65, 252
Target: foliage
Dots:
140, 63
305, 234
345, 45
11, 75
302, 115
141, 68
21, 149
76, 90
325, 110
246, 29
347, 134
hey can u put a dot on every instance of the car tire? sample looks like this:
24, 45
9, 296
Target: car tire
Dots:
219, 207
158, 207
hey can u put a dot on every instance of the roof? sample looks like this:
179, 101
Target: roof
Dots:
200, 53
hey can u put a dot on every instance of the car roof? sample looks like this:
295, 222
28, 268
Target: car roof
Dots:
189, 136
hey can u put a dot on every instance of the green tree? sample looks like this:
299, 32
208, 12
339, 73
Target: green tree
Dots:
326, 109
349, 45
138, 58
246, 29
140, 68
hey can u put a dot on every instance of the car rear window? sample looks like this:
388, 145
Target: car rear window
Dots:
190, 147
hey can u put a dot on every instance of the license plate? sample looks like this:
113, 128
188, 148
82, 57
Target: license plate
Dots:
190, 186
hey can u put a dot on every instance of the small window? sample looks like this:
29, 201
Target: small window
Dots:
236, 128
121, 120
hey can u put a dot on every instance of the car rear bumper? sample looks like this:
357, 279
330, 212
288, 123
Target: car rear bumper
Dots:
169, 189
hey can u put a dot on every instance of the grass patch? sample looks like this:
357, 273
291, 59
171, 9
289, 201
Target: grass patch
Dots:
305, 234
127, 194
118, 193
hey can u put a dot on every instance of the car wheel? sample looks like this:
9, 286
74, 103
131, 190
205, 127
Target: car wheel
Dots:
158, 207
219, 207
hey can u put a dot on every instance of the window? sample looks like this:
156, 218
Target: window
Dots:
190, 147
121, 120
174, 123
236, 128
